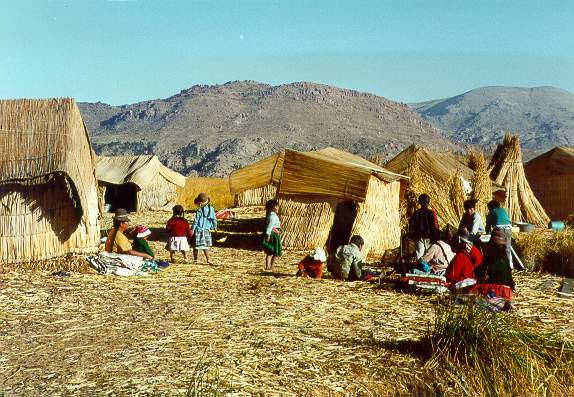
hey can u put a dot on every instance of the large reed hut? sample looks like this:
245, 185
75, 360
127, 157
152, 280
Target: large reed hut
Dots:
48, 193
442, 175
328, 195
137, 183
507, 170
551, 177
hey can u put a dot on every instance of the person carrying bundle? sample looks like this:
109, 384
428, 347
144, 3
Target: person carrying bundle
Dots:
423, 226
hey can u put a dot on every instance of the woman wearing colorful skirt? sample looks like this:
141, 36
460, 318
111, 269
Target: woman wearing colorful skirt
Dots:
272, 239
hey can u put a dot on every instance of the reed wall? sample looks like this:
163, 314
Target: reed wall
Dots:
39, 221
306, 220
159, 194
216, 188
255, 197
556, 195
378, 218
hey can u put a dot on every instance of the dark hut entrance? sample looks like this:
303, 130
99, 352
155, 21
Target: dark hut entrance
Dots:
345, 214
122, 196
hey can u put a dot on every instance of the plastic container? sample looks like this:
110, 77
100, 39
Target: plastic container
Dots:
525, 227
556, 226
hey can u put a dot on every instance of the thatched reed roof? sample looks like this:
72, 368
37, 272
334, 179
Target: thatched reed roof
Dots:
506, 169
43, 137
551, 176
329, 172
139, 170
558, 161
440, 165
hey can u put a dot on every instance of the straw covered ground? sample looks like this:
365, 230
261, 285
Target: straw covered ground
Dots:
229, 325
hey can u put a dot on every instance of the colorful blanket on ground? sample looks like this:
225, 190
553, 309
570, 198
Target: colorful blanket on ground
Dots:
122, 265
424, 283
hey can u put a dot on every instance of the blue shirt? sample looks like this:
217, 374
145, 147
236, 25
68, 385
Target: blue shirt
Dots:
497, 216
205, 218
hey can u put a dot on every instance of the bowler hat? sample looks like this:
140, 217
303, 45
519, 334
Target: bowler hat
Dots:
121, 215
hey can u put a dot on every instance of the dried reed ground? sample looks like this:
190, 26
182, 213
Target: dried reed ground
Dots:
267, 334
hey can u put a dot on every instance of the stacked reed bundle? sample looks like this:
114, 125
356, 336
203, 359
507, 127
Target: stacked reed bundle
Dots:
48, 193
507, 170
481, 183
255, 197
446, 196
216, 188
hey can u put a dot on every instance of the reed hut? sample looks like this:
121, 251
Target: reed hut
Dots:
507, 170
551, 177
48, 193
216, 188
328, 195
442, 175
255, 197
137, 183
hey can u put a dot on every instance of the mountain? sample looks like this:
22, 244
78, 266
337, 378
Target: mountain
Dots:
542, 116
213, 130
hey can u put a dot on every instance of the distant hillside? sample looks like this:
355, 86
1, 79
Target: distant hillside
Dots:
542, 116
212, 130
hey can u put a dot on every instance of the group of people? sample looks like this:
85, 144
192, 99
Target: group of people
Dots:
182, 236
464, 259
346, 263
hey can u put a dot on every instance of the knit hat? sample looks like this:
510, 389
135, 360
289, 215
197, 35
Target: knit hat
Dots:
201, 198
121, 215
318, 254
498, 237
142, 231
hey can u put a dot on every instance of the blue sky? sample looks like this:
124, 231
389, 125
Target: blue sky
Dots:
123, 51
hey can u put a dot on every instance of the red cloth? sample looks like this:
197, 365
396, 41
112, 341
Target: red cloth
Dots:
502, 291
225, 214
178, 227
310, 267
463, 265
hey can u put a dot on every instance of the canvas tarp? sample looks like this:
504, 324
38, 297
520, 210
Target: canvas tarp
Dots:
139, 170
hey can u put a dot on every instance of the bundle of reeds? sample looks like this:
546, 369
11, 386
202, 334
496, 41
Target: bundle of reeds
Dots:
446, 198
548, 251
507, 170
493, 354
481, 183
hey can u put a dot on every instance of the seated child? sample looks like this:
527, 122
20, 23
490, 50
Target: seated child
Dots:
140, 242
349, 260
312, 264
466, 260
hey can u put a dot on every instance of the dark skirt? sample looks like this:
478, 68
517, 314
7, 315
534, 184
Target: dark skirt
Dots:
273, 246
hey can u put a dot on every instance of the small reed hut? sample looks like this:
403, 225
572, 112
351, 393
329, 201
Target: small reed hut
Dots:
48, 192
328, 195
551, 177
507, 170
442, 175
216, 188
137, 183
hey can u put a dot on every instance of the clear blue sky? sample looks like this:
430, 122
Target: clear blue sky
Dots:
123, 51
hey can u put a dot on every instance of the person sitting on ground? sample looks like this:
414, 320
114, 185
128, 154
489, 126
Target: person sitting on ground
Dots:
140, 242
498, 218
178, 231
117, 241
465, 261
272, 245
423, 226
437, 257
349, 260
312, 265
472, 221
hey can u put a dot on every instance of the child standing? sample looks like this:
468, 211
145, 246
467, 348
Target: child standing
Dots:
205, 222
272, 239
140, 242
178, 231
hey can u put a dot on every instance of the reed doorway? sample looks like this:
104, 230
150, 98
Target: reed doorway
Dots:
345, 214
